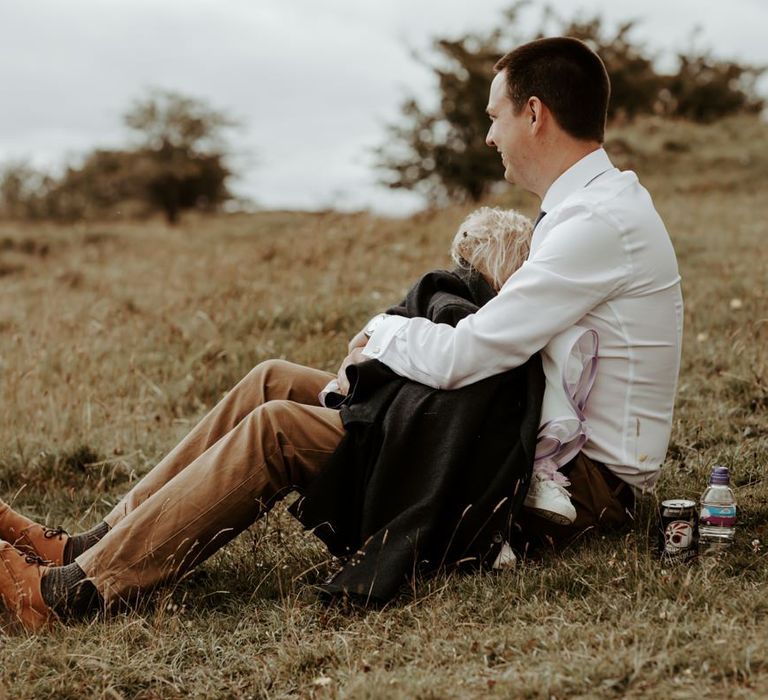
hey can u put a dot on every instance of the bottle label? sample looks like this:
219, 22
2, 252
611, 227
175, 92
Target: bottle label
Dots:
720, 516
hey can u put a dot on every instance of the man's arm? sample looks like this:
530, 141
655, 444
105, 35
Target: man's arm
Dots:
440, 295
580, 264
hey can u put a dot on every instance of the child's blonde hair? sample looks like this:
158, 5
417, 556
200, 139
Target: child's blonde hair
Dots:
494, 241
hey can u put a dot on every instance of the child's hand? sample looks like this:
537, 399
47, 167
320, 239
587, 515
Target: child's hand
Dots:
355, 357
359, 341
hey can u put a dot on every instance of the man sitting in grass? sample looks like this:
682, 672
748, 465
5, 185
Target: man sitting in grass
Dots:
600, 258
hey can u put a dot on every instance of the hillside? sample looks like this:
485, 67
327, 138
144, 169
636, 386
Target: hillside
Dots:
115, 338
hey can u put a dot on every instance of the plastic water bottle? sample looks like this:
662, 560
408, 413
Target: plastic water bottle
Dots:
717, 516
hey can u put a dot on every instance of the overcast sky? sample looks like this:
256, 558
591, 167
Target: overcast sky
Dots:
312, 81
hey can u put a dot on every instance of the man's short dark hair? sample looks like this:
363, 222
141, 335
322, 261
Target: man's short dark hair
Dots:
567, 76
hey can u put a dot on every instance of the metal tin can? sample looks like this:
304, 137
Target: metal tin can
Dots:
678, 531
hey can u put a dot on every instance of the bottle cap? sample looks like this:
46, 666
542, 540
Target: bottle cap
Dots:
720, 476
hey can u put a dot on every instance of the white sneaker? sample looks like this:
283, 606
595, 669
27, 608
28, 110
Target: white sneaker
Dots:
550, 501
506, 558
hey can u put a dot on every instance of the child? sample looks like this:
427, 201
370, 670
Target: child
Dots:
496, 242
493, 241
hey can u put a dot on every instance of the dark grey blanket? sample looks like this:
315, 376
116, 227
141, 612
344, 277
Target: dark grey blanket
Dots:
424, 478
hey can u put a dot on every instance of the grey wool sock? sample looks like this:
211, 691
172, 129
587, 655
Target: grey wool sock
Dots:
77, 544
69, 592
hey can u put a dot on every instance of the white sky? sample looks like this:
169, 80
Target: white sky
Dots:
312, 81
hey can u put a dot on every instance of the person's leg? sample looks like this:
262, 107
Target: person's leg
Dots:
270, 380
166, 528
603, 502
278, 445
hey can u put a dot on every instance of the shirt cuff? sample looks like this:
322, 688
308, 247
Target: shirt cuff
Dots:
382, 337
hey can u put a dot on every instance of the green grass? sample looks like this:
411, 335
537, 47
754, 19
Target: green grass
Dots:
115, 338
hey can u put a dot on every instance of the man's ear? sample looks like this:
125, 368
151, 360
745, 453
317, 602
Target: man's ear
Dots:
535, 109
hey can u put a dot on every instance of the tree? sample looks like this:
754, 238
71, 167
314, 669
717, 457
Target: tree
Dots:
102, 184
705, 89
441, 152
180, 160
177, 162
19, 183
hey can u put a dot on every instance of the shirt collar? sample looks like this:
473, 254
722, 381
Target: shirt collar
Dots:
579, 175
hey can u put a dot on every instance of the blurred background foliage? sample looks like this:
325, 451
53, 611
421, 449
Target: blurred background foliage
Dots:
440, 150
176, 161
177, 158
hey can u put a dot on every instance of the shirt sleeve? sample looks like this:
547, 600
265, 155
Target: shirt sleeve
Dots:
579, 264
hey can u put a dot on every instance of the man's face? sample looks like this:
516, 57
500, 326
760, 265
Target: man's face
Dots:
509, 133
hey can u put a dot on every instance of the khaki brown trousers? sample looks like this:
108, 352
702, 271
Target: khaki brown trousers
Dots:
268, 436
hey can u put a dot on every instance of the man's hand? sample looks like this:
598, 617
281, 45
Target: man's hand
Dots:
355, 357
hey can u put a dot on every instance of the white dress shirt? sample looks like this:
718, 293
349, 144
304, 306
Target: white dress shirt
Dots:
602, 259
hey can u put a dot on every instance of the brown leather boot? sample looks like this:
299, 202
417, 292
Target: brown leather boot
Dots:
20, 594
31, 538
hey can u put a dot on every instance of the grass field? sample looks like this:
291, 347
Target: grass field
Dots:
116, 338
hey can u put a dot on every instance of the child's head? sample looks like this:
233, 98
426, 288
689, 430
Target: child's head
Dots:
494, 241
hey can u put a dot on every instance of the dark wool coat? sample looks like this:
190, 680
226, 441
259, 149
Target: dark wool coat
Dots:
424, 478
